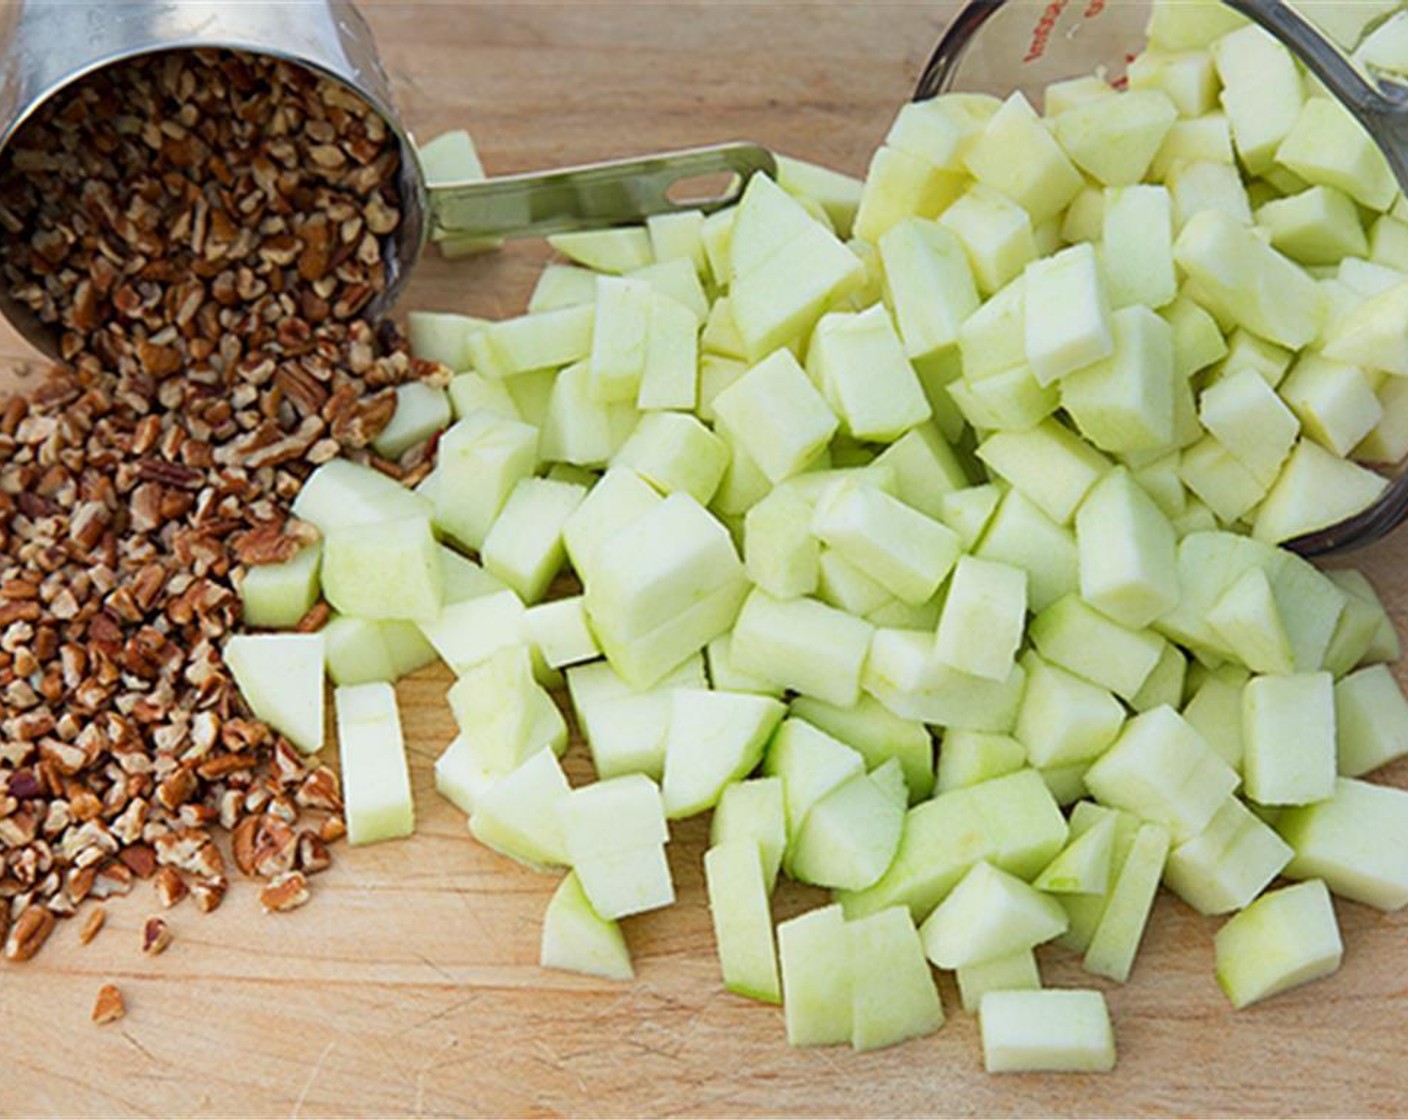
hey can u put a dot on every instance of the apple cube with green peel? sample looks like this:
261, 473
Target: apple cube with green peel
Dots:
1288, 735
1215, 711
1067, 314
676, 454
860, 364
983, 613
904, 674
471, 392
1165, 685
1128, 554
1074, 635
519, 815
674, 553
358, 651
1137, 232
524, 547
1239, 275
726, 677
1013, 822
1218, 478
900, 184
784, 268
280, 677
1229, 863
802, 644
625, 727
837, 194
905, 552
753, 812
926, 467
617, 499
1333, 401
615, 833
671, 375
1315, 489
1357, 842
941, 129
743, 933
1187, 78
1114, 139
1051, 1030
562, 285
990, 913
1163, 770
1124, 402
780, 553
814, 950
1084, 865
439, 336
1021, 534
376, 784
848, 836
1116, 939
1367, 335
879, 735
1049, 464
389, 570
993, 338
1261, 94
969, 757
276, 596
559, 632
1247, 619
606, 250
1315, 227
1246, 416
578, 939
619, 336
893, 996
810, 764
460, 777
1009, 401
775, 414
996, 235
504, 711
1328, 147
341, 493
1017, 156
1203, 141
1015, 972
930, 285
577, 429
479, 459
714, 738
1084, 911
1284, 939
1371, 720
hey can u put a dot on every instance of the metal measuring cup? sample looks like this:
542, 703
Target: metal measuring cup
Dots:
996, 46
48, 45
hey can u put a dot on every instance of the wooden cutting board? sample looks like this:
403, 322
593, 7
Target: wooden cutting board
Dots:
409, 986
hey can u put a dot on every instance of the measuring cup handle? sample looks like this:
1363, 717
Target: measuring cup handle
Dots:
593, 196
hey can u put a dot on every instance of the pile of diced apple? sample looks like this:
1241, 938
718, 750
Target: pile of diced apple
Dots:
993, 453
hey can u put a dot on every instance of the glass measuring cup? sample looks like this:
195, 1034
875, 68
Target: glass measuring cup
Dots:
997, 46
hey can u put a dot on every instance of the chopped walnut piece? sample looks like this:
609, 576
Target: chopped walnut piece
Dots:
109, 1006
170, 887
210, 893
286, 891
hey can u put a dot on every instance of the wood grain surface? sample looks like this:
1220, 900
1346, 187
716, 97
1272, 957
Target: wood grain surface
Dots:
409, 986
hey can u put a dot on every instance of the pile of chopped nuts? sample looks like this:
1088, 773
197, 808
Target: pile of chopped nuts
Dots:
205, 229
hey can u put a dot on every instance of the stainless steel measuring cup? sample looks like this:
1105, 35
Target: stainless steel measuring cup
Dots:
997, 46
48, 45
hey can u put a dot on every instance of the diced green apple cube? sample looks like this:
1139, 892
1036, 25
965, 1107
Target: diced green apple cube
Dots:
714, 739
1315, 489
1051, 1030
437, 336
810, 764
276, 596
1334, 402
280, 677
743, 933
993, 338
1116, 939
814, 950
478, 461
899, 185
904, 674
779, 551
1064, 719
675, 453
1067, 314
775, 414
893, 996
578, 429
1357, 842
606, 250
470, 392
996, 234
460, 777
1128, 554
1163, 770
1074, 635
969, 757
990, 913
519, 815
562, 285
968, 511
878, 735
1220, 480
983, 614
577, 939
1115, 139
802, 644
847, 838
1229, 863
341, 493
1371, 720
1246, 618
524, 547
941, 129
1020, 534
860, 364
1012, 822
619, 338
560, 632
1084, 865
1288, 735
1017, 156
1328, 147
1316, 227
617, 499
376, 784
1284, 939
615, 833
1186, 77
1246, 416
1261, 93
1016, 972
753, 812
837, 194
1137, 232
1124, 402
1049, 464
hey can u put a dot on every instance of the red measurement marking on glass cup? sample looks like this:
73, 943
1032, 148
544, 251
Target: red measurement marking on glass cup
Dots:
1046, 24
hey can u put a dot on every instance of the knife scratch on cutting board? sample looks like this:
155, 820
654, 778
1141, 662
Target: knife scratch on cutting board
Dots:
312, 1076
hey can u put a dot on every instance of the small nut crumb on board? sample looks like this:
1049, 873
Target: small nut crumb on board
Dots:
286, 891
92, 924
109, 1006
203, 231
156, 937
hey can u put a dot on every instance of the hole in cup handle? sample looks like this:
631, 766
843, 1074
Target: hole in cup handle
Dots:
597, 195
